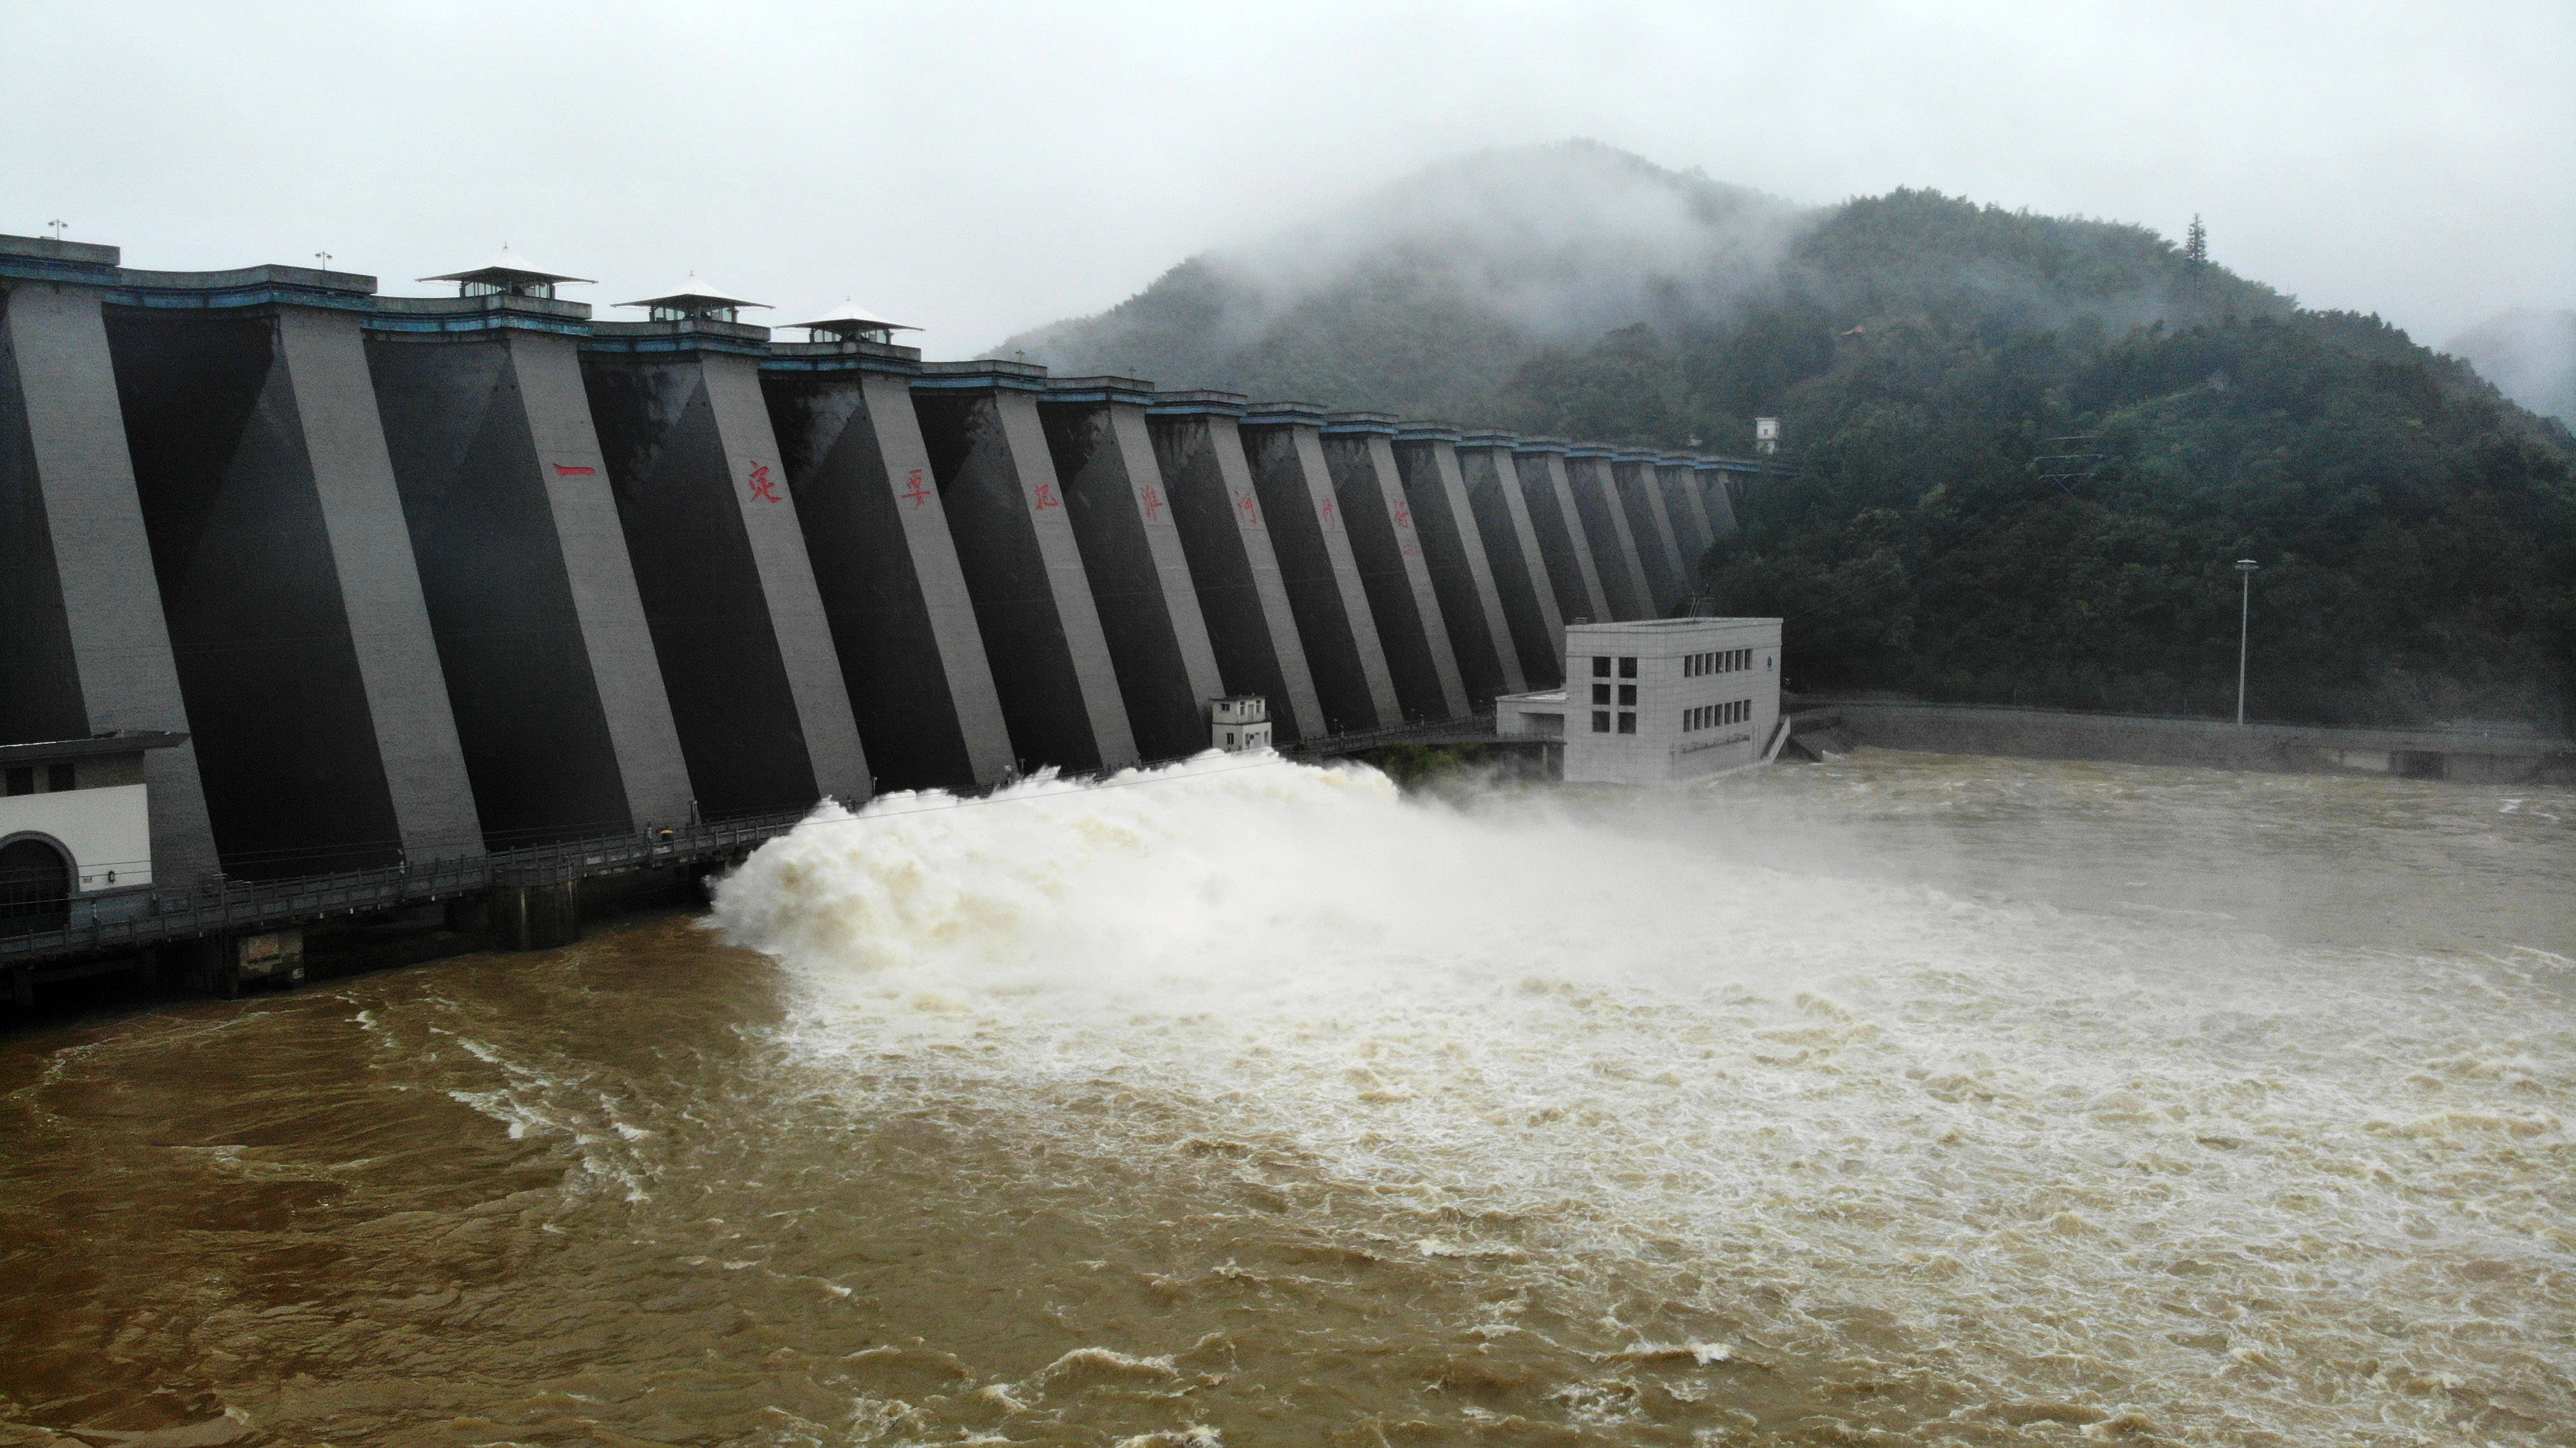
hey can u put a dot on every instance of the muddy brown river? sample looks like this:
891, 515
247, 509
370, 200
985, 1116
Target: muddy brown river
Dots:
1899, 1100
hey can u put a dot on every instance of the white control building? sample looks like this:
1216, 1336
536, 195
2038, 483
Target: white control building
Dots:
75, 831
1657, 701
1239, 723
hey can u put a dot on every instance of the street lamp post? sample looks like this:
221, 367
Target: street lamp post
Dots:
2244, 611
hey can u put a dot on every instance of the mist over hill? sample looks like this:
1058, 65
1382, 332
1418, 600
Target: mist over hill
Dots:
2529, 355
1428, 297
1425, 297
2024, 451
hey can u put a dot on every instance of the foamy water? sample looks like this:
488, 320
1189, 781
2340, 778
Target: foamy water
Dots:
1902, 1100
2159, 1177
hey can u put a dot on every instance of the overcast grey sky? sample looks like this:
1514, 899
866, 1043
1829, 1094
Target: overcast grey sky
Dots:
979, 168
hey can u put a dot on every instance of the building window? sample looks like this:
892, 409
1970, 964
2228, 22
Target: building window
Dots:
1627, 668
58, 777
22, 780
1601, 668
1601, 693
1600, 721
1627, 722
1628, 695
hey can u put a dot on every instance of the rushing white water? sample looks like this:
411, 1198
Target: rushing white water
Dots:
2077, 1172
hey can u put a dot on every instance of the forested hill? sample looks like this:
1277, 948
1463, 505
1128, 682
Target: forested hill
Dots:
2025, 451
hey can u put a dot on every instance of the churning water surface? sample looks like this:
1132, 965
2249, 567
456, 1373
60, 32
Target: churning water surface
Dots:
1903, 1100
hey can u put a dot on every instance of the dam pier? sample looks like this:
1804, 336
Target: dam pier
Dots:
320, 604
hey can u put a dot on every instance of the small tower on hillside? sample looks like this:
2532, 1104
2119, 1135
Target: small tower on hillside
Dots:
2195, 243
850, 322
506, 275
695, 301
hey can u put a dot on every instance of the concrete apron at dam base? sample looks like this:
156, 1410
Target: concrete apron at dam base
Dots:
1820, 727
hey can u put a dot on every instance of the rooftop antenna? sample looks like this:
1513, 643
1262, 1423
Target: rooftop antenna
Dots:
59, 228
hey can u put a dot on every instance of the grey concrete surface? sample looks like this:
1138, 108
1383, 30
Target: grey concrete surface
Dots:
787, 578
887, 565
559, 707
1243, 594
325, 362
694, 488
1558, 527
1717, 493
325, 737
1535, 626
1132, 555
1605, 528
1023, 568
83, 648
1453, 553
1641, 500
1689, 514
1284, 453
1360, 457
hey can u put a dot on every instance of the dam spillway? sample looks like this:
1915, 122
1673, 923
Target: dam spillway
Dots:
417, 579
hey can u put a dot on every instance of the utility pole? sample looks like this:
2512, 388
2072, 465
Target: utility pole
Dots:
2244, 612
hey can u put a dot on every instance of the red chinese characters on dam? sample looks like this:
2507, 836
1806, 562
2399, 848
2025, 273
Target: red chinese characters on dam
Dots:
1153, 501
1324, 510
575, 470
915, 490
1248, 510
1045, 498
763, 487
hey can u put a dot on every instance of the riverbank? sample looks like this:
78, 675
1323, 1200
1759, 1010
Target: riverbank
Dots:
2500, 756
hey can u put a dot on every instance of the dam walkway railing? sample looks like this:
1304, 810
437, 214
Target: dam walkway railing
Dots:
236, 907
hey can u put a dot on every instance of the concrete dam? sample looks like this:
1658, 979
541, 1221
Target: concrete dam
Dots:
396, 599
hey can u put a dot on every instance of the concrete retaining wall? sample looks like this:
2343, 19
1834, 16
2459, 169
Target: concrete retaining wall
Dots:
1454, 554
1359, 455
2201, 743
1243, 594
1283, 450
886, 565
1015, 545
1123, 522
1533, 624
1605, 527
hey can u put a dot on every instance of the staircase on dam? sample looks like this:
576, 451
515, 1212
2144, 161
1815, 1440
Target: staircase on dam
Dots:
440, 594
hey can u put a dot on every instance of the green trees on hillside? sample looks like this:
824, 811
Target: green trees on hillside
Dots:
2026, 452
2419, 548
